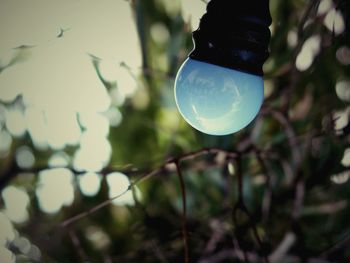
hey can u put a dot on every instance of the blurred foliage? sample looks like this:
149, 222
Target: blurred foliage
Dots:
295, 185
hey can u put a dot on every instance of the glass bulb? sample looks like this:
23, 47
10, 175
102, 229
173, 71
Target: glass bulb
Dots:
217, 100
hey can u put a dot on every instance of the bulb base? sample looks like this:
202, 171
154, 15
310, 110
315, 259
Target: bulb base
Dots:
234, 34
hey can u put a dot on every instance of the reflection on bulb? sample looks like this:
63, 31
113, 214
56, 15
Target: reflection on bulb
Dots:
217, 100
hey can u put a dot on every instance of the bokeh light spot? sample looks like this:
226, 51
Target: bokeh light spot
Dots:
24, 157
15, 122
159, 33
324, 6
94, 153
6, 256
346, 158
118, 183
16, 202
59, 159
343, 55
340, 178
342, 89
306, 56
7, 233
89, 184
51, 198
334, 21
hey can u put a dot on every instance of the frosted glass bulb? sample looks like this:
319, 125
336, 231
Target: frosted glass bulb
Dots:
217, 100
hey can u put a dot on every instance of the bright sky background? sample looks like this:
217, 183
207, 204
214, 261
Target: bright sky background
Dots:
65, 103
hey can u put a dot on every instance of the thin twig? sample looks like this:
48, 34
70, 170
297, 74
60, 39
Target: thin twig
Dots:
184, 213
78, 247
282, 249
240, 206
162, 168
299, 199
218, 233
291, 135
266, 203
345, 241
92, 210
110, 200
241, 253
284, 92
158, 252
239, 180
306, 15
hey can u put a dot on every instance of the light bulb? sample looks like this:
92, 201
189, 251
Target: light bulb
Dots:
219, 89
217, 100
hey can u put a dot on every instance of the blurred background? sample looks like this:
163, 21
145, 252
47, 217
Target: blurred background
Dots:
87, 108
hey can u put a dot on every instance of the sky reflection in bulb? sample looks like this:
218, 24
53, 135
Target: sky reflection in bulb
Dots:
217, 100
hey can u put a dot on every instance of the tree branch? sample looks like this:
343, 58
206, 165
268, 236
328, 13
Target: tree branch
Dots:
162, 168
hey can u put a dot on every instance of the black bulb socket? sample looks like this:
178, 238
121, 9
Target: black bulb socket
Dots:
234, 34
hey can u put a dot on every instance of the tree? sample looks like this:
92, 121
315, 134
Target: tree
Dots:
144, 186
